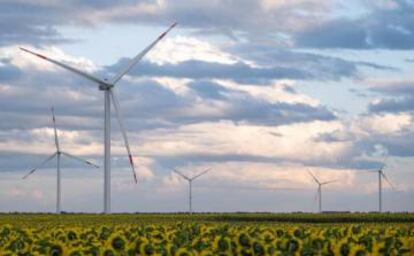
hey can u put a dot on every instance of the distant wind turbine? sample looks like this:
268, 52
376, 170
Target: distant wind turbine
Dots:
381, 175
107, 86
190, 184
319, 191
58, 153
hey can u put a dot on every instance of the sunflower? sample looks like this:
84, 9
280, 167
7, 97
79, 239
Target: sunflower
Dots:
118, 243
244, 240
183, 252
57, 250
222, 244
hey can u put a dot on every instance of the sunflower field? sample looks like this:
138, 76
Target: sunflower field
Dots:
102, 235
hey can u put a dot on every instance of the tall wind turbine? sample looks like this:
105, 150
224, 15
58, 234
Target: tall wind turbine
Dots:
319, 191
190, 184
109, 94
58, 153
381, 175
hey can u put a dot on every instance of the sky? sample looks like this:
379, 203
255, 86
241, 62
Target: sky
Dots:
261, 91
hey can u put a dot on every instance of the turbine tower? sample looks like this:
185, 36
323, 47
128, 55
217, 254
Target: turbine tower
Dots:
319, 191
109, 95
58, 153
381, 175
190, 184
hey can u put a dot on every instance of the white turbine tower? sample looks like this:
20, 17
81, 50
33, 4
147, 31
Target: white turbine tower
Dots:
319, 191
58, 153
381, 175
107, 87
190, 184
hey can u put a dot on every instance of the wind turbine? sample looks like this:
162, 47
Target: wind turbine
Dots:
319, 191
190, 184
381, 175
107, 87
58, 153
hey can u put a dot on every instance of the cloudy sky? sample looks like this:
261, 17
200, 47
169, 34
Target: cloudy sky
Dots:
259, 90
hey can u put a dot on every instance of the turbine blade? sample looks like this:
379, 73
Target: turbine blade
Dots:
388, 181
67, 67
328, 182
80, 159
202, 173
313, 176
140, 55
180, 174
39, 166
123, 131
54, 128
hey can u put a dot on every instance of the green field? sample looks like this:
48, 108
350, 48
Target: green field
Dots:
207, 234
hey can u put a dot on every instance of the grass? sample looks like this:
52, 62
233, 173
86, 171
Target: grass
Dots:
35, 219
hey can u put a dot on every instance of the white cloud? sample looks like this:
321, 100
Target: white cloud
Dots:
180, 48
177, 85
41, 141
295, 143
27, 61
274, 93
382, 124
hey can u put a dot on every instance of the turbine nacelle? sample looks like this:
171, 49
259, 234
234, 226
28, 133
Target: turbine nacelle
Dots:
105, 86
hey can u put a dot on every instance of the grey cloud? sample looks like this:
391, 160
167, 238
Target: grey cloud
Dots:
352, 163
349, 162
400, 104
386, 28
155, 100
397, 144
278, 113
146, 104
317, 66
224, 16
278, 64
183, 159
334, 34
38, 23
27, 22
8, 71
14, 161
376, 66
395, 88
397, 97
209, 90
208, 70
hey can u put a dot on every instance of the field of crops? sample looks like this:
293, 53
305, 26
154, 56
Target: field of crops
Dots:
206, 234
